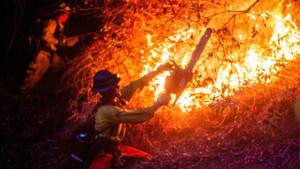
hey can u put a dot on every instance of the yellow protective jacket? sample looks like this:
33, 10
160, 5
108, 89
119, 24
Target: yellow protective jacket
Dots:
110, 120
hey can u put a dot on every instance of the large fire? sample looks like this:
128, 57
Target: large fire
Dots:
251, 64
251, 42
243, 85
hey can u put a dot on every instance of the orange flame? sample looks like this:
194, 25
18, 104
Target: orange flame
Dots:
260, 64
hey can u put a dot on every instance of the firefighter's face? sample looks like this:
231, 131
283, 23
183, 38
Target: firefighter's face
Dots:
115, 92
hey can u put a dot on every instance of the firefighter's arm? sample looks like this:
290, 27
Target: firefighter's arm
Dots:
132, 116
129, 90
113, 114
117, 115
48, 34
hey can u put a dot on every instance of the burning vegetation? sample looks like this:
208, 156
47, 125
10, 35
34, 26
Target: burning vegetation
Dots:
251, 43
238, 111
243, 87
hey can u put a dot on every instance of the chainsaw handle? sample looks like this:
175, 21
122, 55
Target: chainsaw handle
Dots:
177, 81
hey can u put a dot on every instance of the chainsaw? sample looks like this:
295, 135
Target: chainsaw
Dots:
179, 77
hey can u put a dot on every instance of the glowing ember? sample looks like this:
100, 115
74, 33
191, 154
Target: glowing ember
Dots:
254, 64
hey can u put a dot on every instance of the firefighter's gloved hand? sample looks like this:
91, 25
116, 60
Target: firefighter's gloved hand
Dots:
164, 99
164, 67
147, 78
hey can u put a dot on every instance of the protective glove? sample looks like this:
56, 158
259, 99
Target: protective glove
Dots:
145, 80
164, 99
166, 66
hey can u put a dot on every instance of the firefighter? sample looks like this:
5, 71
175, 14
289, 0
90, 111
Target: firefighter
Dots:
52, 40
110, 119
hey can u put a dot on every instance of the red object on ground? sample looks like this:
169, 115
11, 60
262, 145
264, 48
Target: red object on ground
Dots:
104, 160
130, 152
